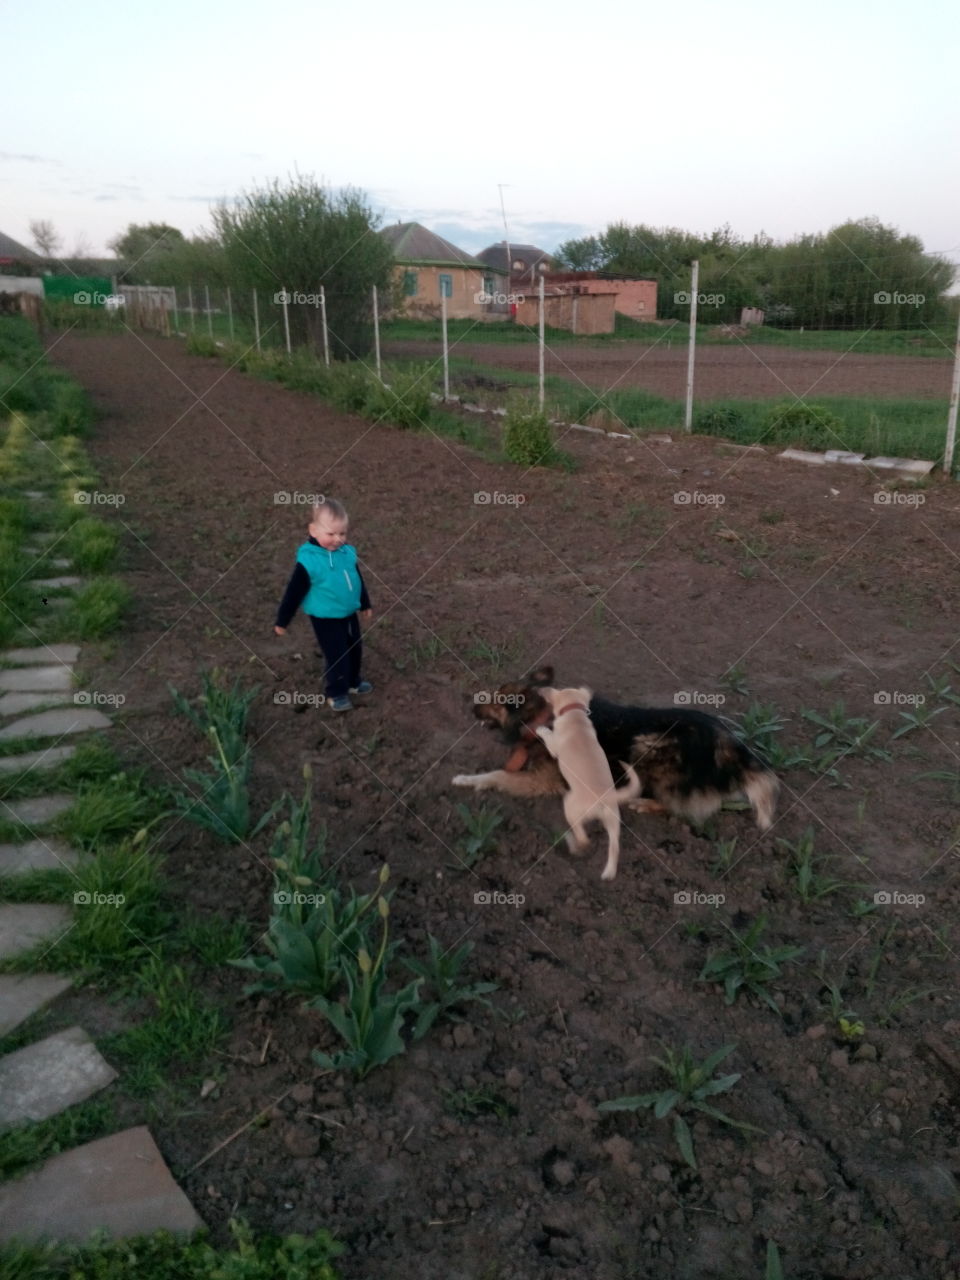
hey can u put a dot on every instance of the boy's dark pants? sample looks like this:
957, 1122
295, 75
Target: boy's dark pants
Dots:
339, 638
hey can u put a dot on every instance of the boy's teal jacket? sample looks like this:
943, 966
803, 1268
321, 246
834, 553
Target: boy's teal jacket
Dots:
326, 583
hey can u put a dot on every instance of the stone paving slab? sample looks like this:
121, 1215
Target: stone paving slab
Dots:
53, 724
52, 584
119, 1184
36, 810
14, 704
44, 653
48, 759
45, 1078
24, 924
22, 995
36, 855
37, 679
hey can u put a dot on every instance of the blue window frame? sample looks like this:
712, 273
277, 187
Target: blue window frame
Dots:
446, 285
410, 284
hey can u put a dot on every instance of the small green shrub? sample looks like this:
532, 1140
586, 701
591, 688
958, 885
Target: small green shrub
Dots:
527, 437
405, 403
720, 422
201, 344
349, 387
805, 426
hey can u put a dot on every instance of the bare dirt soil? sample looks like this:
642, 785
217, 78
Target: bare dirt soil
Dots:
737, 371
800, 578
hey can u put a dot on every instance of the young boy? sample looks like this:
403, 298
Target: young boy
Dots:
327, 582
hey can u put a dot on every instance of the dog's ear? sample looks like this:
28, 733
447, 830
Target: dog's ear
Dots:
542, 676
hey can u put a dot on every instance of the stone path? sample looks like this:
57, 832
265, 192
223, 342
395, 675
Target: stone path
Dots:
119, 1184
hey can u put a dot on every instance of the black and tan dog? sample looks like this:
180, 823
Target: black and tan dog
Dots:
688, 762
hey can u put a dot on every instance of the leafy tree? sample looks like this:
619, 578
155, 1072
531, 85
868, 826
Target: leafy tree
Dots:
297, 238
145, 250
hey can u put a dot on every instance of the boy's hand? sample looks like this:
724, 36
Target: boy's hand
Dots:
366, 614
279, 631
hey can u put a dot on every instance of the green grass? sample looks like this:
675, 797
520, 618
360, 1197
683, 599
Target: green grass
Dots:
95, 610
21, 1148
181, 1028
920, 342
160, 1256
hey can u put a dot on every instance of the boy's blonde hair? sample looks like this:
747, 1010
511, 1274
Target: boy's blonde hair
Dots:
330, 507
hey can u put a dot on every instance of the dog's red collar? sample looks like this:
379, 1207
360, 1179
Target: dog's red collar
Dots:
573, 706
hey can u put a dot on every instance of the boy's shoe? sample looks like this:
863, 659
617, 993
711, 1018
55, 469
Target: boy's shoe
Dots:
342, 703
363, 687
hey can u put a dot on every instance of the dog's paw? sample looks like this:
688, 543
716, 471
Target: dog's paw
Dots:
608, 873
462, 780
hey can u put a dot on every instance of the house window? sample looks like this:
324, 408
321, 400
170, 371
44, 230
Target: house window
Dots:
410, 284
446, 285
489, 286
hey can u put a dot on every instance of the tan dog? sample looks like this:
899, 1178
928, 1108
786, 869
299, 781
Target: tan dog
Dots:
573, 743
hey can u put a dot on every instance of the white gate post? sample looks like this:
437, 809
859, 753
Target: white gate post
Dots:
694, 285
446, 351
256, 321
376, 331
542, 309
952, 414
323, 321
286, 318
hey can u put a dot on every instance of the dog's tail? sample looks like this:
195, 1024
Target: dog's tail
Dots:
632, 789
761, 787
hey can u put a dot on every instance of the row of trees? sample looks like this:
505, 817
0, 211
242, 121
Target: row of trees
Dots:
828, 280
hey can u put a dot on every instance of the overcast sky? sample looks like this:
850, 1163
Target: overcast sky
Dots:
773, 117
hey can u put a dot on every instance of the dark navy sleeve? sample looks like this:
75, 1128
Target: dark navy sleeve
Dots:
364, 598
297, 588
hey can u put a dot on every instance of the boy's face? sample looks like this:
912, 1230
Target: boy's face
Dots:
329, 532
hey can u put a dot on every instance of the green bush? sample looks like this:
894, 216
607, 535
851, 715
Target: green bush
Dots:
349, 387
201, 344
804, 426
719, 422
405, 402
527, 437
